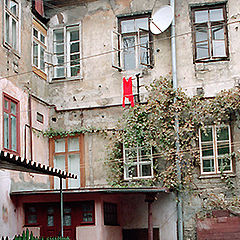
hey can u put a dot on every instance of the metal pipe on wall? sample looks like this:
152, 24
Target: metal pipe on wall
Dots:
30, 125
175, 86
61, 205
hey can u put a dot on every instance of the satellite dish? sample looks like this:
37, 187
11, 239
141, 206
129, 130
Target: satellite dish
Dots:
161, 19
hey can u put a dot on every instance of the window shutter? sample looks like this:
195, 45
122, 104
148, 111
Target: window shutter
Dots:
116, 50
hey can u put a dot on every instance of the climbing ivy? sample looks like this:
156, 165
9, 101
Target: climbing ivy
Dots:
152, 125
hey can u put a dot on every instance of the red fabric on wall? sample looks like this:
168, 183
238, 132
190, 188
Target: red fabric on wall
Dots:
39, 7
127, 91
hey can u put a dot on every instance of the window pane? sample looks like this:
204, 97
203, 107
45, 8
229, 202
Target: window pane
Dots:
201, 16
146, 170
218, 33
6, 131
141, 23
201, 34
206, 136
14, 133
127, 26
216, 15
13, 108
74, 35
32, 215
131, 171
129, 52
202, 50
208, 165
5, 104
145, 155
207, 149
87, 217
73, 144
60, 145
59, 72
219, 49
50, 221
58, 35
67, 220
14, 34
59, 48
35, 54
59, 162
223, 148
222, 133
13, 7
74, 47
131, 155
42, 38
87, 206
7, 28
35, 33
144, 53
224, 164
74, 167
50, 210
42, 62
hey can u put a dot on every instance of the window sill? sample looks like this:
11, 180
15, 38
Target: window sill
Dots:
15, 52
39, 72
58, 80
138, 178
216, 175
224, 59
11, 152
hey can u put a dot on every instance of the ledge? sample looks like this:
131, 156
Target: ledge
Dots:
216, 176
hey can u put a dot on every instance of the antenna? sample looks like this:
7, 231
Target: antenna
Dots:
161, 19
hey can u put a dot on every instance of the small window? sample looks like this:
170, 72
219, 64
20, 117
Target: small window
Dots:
11, 26
215, 149
66, 47
87, 209
40, 117
39, 47
138, 163
31, 215
10, 124
133, 47
110, 214
210, 33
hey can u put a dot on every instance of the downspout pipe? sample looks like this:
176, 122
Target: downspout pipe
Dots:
30, 124
178, 164
61, 205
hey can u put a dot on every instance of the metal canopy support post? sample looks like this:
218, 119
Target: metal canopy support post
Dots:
175, 86
150, 199
61, 207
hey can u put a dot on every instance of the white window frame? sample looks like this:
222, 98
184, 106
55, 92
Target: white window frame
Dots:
66, 53
12, 17
138, 163
40, 44
118, 48
215, 150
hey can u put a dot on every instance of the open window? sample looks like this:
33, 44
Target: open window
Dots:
138, 163
215, 149
210, 33
132, 45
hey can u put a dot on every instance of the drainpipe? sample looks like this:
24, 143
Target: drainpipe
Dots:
61, 206
30, 124
175, 86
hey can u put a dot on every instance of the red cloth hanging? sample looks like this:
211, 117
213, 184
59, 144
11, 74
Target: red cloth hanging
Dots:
127, 91
39, 7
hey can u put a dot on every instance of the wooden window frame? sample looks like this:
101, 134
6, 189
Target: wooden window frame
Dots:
27, 214
66, 153
40, 115
114, 214
118, 55
215, 149
67, 53
17, 115
12, 17
90, 211
209, 26
138, 163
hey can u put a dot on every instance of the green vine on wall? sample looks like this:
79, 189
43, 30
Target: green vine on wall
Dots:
152, 125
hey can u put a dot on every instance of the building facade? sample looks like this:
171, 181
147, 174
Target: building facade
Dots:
62, 68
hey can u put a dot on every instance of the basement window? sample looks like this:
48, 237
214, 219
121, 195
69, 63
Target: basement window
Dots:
66, 52
40, 117
138, 163
210, 33
215, 149
132, 47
